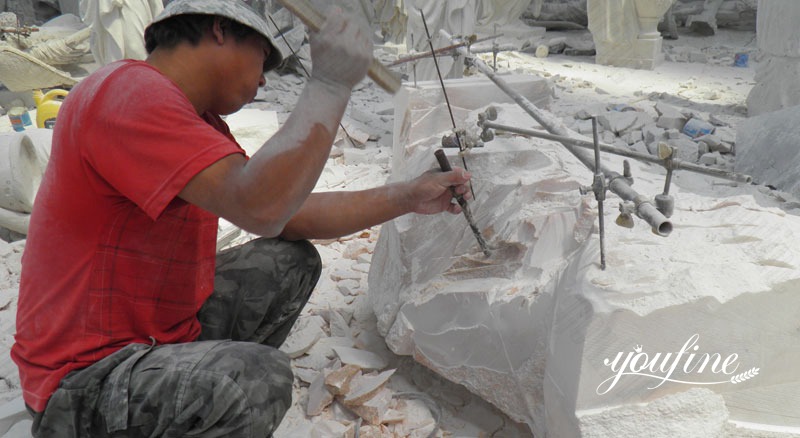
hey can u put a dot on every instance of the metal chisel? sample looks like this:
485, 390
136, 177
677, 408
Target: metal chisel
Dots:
444, 164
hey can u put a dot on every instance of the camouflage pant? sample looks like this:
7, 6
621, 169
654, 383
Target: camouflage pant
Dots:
232, 382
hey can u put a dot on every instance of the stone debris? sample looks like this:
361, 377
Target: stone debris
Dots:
338, 324
669, 117
306, 333
693, 135
360, 358
22, 429
11, 413
365, 386
349, 287
338, 381
319, 396
373, 409
340, 362
305, 375
354, 249
331, 428
322, 352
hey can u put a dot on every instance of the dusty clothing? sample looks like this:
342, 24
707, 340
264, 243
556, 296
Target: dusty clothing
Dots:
113, 256
209, 388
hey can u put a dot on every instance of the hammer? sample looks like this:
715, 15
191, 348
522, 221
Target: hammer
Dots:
306, 12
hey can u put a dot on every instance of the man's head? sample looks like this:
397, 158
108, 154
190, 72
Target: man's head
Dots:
188, 20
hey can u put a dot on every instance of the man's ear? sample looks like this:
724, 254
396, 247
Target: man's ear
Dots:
218, 31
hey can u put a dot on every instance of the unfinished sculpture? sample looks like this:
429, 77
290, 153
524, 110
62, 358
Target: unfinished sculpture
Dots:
779, 65
118, 26
571, 350
62, 41
626, 31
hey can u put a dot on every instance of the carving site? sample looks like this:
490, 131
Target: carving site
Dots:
400, 218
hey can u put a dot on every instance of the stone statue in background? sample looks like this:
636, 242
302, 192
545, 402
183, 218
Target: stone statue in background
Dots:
626, 31
401, 22
777, 86
705, 23
457, 17
735, 14
118, 26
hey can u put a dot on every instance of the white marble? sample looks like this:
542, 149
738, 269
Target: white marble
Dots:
536, 329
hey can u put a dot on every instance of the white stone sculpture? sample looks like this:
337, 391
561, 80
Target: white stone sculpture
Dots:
118, 27
692, 335
705, 23
24, 159
64, 40
777, 72
625, 31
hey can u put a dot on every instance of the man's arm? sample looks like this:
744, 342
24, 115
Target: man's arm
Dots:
335, 214
260, 195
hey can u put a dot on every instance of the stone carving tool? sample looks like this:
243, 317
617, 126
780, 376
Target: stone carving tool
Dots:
306, 12
446, 99
444, 164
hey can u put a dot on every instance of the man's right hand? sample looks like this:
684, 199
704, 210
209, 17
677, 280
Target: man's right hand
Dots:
341, 51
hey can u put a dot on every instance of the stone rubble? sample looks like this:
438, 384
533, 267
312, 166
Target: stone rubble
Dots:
696, 137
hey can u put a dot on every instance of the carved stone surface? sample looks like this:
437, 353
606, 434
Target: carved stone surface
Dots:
696, 330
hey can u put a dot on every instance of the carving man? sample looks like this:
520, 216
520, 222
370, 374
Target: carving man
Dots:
128, 323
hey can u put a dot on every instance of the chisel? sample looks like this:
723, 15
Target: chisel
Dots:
444, 164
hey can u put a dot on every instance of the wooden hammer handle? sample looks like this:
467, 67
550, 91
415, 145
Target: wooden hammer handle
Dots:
312, 18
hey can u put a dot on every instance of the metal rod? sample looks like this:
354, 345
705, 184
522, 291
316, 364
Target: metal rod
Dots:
444, 164
439, 50
446, 99
599, 187
617, 184
677, 164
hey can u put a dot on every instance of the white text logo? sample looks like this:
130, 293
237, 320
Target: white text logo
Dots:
672, 367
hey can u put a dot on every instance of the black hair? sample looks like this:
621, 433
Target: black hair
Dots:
190, 27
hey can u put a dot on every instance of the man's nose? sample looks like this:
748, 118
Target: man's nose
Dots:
262, 81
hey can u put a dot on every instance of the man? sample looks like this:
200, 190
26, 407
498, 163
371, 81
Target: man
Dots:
124, 326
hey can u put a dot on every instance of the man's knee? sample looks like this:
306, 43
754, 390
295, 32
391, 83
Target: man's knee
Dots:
298, 261
242, 383
299, 253
271, 257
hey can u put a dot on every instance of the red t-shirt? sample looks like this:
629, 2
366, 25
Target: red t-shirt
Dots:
113, 256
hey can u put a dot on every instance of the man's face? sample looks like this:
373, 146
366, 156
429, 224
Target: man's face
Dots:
244, 72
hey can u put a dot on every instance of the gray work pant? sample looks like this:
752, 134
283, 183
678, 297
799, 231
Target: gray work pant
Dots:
231, 382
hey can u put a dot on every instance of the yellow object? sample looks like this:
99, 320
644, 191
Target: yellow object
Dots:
47, 106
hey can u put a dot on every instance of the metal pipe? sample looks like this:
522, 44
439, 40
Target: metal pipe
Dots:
677, 164
440, 50
617, 183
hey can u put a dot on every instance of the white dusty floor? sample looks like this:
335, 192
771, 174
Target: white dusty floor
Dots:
714, 86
